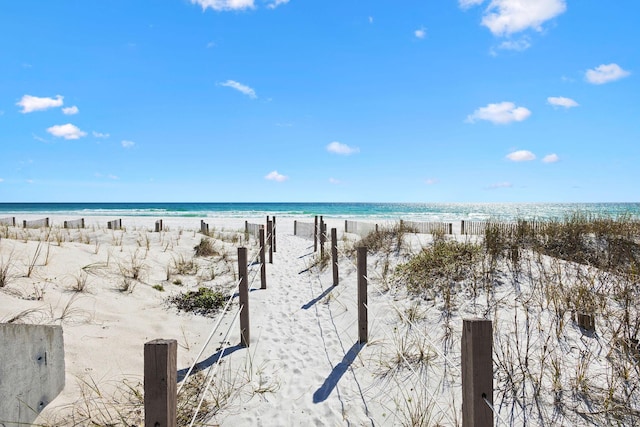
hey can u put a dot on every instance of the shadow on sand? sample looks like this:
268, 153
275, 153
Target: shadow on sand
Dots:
209, 361
331, 382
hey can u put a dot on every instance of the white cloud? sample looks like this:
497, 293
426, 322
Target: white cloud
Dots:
277, 3
33, 103
67, 131
551, 158
127, 144
114, 177
335, 181
224, 4
466, 4
521, 156
37, 138
502, 113
211, 45
517, 45
605, 74
561, 101
340, 148
500, 185
504, 17
70, 111
1, 180
371, 20
420, 33
431, 181
100, 135
240, 88
275, 176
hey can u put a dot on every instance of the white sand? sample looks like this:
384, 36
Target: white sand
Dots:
304, 365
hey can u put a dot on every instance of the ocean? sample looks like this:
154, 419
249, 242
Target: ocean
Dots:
387, 211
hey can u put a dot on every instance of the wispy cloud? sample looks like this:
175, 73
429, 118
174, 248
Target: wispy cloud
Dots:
551, 158
67, 131
371, 20
561, 101
127, 144
420, 33
240, 88
521, 156
99, 134
519, 45
211, 45
334, 181
277, 3
499, 185
275, 176
340, 148
38, 138
30, 103
1, 180
605, 74
224, 4
70, 111
501, 113
505, 17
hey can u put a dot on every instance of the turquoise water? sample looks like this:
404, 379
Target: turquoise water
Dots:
408, 211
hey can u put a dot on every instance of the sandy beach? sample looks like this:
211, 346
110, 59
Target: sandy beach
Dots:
110, 292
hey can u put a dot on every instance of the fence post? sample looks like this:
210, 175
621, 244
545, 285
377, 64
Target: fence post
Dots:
270, 240
346, 227
363, 326
64, 224
334, 255
477, 372
322, 237
243, 293
450, 228
274, 229
263, 267
462, 227
24, 223
295, 227
160, 383
315, 234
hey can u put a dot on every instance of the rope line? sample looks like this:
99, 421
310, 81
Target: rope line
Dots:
213, 369
498, 417
213, 331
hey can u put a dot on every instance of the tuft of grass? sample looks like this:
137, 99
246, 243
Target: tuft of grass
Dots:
182, 265
158, 288
177, 282
206, 248
80, 282
5, 268
205, 301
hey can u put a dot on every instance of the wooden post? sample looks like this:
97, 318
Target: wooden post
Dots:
295, 228
160, 383
322, 237
334, 255
376, 228
263, 266
82, 222
246, 227
64, 224
450, 228
315, 234
363, 326
462, 227
270, 240
158, 226
243, 293
477, 372
46, 222
586, 321
24, 223
275, 233
346, 227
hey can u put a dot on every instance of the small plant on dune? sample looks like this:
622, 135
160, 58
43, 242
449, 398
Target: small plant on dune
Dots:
80, 282
182, 265
134, 268
158, 288
34, 259
206, 248
5, 268
205, 301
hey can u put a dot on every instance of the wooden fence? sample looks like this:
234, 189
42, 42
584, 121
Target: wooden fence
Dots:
11, 221
252, 229
360, 228
480, 227
303, 229
427, 227
116, 224
76, 223
37, 223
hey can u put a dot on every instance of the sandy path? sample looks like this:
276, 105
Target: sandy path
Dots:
303, 343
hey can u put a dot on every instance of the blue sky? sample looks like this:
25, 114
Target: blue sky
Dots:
275, 100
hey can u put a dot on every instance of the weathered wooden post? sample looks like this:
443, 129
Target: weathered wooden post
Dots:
263, 266
450, 228
322, 237
363, 320
24, 223
64, 224
346, 226
243, 293
377, 228
334, 255
295, 227
46, 222
82, 222
160, 383
158, 226
270, 240
462, 226
275, 233
586, 321
246, 228
477, 373
315, 234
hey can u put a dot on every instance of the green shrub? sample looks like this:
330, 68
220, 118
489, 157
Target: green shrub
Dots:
205, 301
